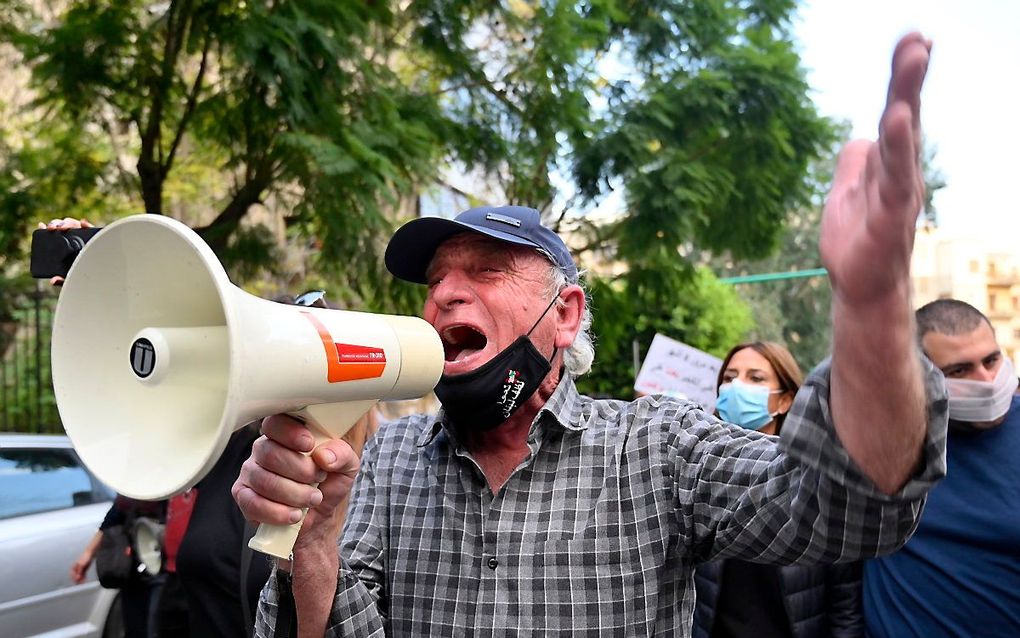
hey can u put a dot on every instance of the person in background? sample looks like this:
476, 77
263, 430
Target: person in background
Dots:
213, 577
959, 574
736, 599
138, 598
756, 386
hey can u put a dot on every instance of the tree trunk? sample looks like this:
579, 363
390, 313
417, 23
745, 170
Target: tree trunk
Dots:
8, 333
152, 185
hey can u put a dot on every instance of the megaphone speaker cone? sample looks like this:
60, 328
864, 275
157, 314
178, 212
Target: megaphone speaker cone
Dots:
147, 438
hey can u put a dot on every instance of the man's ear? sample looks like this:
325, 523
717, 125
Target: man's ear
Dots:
568, 315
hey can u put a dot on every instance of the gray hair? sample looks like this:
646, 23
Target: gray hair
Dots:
578, 357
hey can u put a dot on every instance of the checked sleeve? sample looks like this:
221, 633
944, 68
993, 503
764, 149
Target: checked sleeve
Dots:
741, 496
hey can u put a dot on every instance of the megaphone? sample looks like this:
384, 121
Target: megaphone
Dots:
148, 544
157, 358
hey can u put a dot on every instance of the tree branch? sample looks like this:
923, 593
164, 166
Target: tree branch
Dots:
398, 25
126, 174
189, 107
218, 232
458, 191
150, 157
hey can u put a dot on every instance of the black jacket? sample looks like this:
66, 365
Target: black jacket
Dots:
821, 600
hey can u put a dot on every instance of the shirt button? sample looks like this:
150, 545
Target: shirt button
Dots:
493, 563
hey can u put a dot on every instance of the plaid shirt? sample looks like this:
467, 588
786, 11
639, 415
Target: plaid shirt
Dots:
598, 530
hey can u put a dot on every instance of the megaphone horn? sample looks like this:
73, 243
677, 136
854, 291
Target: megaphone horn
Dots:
157, 358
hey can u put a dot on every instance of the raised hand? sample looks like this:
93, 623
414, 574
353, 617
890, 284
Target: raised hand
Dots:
876, 393
867, 233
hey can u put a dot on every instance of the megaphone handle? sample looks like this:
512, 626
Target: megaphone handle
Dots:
325, 422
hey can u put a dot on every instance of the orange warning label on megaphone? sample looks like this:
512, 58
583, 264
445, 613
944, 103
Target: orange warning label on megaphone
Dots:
347, 362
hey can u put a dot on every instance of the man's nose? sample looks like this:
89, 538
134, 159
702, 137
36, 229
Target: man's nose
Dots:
982, 373
452, 290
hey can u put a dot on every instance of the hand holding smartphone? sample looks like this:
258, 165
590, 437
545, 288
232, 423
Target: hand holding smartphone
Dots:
56, 245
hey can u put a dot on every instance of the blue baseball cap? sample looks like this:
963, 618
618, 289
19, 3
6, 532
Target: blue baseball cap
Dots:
414, 244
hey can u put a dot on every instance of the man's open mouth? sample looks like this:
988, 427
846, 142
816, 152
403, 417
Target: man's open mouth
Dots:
460, 342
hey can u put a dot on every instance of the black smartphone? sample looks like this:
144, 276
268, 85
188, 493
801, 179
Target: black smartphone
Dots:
53, 251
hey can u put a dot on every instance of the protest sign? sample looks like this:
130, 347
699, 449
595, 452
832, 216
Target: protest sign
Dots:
677, 369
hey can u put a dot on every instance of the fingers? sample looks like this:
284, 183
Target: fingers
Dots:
66, 223
899, 157
909, 66
898, 172
256, 507
78, 569
850, 166
282, 474
275, 483
288, 432
337, 457
341, 464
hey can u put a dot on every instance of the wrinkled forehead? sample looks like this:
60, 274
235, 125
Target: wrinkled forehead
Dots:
479, 249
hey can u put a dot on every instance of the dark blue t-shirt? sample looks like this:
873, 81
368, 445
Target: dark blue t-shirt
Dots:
959, 575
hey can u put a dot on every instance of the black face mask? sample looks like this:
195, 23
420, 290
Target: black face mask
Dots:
484, 398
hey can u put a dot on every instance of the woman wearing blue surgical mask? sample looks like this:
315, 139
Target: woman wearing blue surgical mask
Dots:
757, 384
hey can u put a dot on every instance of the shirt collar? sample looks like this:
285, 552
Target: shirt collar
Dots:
431, 429
563, 406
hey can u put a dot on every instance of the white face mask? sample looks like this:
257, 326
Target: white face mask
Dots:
982, 402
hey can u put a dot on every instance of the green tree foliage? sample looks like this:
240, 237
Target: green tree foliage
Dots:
712, 144
797, 312
710, 316
292, 100
337, 114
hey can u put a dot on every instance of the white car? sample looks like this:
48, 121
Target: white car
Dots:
50, 507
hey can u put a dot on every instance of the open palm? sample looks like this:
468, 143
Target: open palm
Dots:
867, 232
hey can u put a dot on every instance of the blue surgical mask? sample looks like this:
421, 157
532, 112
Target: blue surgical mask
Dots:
745, 405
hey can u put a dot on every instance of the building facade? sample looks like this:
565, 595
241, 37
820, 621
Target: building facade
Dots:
972, 270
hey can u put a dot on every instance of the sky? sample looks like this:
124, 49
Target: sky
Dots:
970, 106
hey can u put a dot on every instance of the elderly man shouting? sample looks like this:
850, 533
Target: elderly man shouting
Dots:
525, 508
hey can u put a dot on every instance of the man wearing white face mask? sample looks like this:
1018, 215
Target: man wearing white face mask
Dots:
959, 575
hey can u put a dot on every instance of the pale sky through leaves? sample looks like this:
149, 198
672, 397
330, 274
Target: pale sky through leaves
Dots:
970, 103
